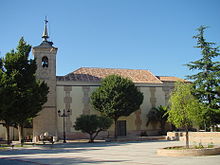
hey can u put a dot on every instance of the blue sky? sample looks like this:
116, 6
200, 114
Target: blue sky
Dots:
137, 34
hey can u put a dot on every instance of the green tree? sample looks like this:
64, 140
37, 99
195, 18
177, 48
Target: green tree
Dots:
207, 80
158, 114
116, 97
185, 110
6, 102
92, 124
28, 94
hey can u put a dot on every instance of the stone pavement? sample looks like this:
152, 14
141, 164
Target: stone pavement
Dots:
116, 153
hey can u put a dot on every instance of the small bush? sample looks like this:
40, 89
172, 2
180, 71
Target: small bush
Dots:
200, 146
211, 145
92, 124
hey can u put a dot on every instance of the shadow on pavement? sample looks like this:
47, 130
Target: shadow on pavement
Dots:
61, 153
52, 161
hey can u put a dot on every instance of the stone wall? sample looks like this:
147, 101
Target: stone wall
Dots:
197, 137
76, 97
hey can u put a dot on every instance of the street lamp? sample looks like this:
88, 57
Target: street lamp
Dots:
64, 114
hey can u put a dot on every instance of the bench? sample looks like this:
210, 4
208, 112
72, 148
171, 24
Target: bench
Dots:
45, 139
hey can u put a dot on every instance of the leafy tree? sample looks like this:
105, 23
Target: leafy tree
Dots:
27, 93
116, 97
158, 114
92, 124
185, 109
6, 101
207, 79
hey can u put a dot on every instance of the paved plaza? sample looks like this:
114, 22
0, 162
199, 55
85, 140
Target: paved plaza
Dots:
116, 153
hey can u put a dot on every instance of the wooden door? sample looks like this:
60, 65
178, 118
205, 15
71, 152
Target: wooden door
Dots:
121, 128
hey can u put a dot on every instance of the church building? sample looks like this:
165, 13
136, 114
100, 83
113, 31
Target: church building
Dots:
69, 96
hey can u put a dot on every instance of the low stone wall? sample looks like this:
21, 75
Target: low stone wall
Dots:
203, 137
188, 152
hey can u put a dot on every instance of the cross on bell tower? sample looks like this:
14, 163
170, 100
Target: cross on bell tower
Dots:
45, 35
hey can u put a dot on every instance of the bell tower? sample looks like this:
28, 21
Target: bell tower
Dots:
45, 55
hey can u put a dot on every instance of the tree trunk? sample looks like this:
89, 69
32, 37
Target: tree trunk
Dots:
96, 134
187, 137
20, 134
91, 140
162, 127
116, 129
205, 128
7, 134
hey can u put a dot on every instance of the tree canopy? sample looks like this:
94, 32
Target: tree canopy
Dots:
116, 97
207, 79
158, 114
23, 94
92, 124
7, 86
185, 109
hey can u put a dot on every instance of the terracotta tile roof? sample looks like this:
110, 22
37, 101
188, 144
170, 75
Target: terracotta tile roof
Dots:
170, 79
96, 74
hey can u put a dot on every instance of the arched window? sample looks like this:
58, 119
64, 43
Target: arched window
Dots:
44, 62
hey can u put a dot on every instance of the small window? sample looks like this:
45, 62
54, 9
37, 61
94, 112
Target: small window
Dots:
44, 62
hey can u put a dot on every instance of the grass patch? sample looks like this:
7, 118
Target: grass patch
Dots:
199, 146
5, 145
176, 148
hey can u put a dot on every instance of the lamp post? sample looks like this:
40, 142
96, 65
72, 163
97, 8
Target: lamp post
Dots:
64, 114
